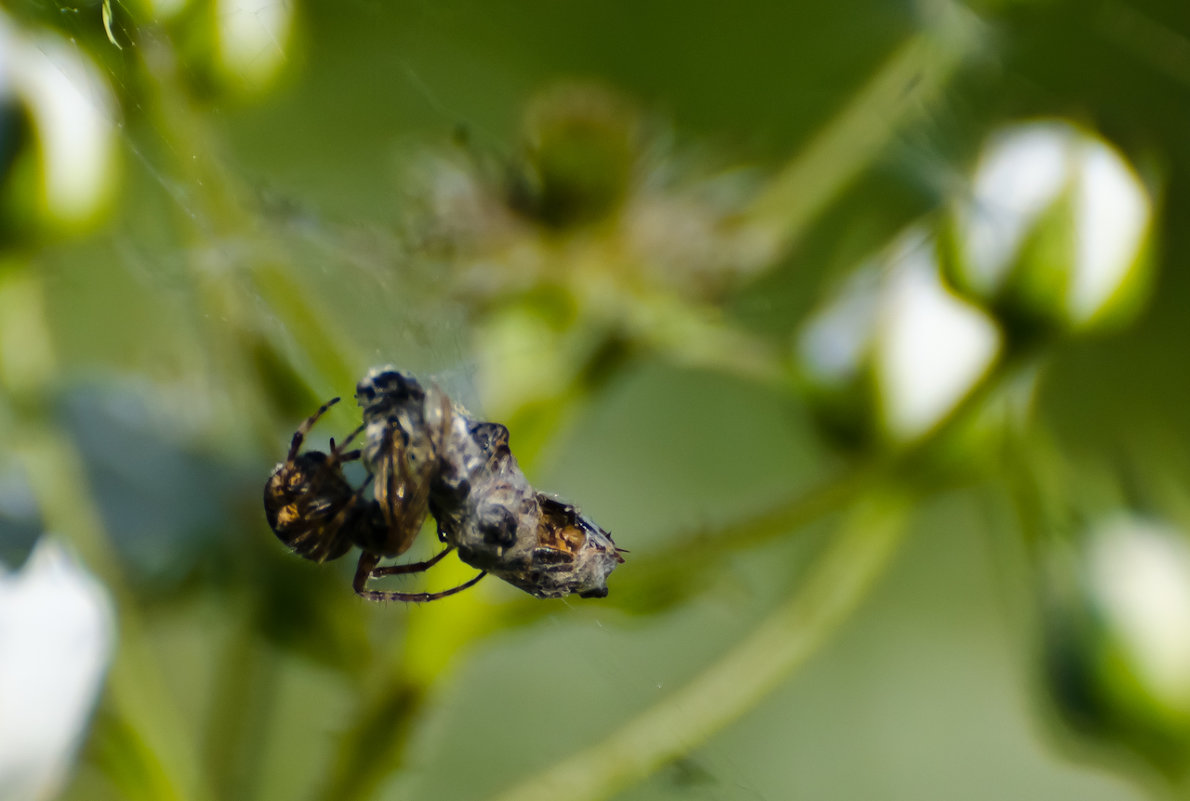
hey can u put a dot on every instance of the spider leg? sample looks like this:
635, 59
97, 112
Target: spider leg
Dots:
367, 568
414, 567
418, 597
363, 571
336, 456
348, 438
298, 436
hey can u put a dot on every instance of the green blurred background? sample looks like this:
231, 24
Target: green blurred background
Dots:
273, 237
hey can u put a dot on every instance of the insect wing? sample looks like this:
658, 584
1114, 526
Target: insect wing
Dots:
402, 490
405, 467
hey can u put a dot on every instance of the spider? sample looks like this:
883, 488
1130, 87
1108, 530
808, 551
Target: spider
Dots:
424, 456
313, 509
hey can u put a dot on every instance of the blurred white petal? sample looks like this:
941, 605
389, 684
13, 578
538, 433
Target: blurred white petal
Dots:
1093, 245
895, 322
835, 341
72, 114
1022, 172
253, 36
1112, 216
56, 638
1140, 571
932, 348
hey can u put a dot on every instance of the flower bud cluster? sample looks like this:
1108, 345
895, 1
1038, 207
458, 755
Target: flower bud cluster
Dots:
1051, 240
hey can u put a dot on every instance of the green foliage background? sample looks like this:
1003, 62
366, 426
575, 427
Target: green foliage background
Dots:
264, 251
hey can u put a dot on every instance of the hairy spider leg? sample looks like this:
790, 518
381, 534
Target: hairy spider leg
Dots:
337, 453
299, 436
367, 564
413, 567
335, 457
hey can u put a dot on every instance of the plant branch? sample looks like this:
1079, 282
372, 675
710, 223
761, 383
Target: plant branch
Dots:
905, 85
844, 574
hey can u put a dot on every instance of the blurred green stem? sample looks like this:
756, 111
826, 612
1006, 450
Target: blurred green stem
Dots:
373, 746
902, 88
843, 575
669, 576
701, 337
243, 699
232, 262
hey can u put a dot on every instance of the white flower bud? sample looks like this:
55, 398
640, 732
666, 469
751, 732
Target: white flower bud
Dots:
251, 40
1053, 234
1139, 571
1118, 638
897, 345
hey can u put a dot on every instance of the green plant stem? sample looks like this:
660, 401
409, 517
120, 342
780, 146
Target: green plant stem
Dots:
912, 79
842, 577
231, 261
666, 577
242, 701
701, 337
374, 744
373, 748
